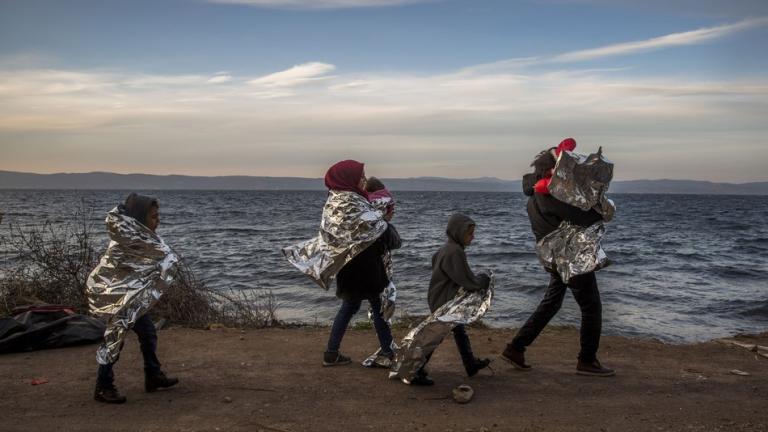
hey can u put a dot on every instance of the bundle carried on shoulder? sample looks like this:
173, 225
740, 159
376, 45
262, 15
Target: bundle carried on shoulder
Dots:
348, 226
581, 181
129, 279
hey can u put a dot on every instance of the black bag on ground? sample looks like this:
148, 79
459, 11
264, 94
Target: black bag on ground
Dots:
49, 326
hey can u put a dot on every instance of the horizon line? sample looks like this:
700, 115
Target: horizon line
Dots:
389, 178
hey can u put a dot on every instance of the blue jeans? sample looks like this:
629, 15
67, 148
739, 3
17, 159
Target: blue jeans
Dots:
145, 330
348, 309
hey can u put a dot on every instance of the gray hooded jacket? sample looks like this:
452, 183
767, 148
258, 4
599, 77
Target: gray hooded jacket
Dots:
450, 270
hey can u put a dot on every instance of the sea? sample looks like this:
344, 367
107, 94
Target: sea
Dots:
684, 267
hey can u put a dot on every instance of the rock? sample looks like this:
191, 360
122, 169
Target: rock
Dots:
463, 394
227, 399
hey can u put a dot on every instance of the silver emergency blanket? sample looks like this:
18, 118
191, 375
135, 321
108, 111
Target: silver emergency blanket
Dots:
379, 360
389, 295
582, 181
388, 305
128, 280
349, 224
572, 250
466, 308
388, 298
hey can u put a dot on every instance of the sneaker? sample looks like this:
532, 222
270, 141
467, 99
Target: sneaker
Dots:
335, 358
158, 381
515, 358
422, 380
476, 365
108, 394
594, 369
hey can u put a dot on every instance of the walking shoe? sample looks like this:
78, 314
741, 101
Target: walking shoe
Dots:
152, 382
476, 365
422, 380
335, 358
593, 369
515, 358
108, 394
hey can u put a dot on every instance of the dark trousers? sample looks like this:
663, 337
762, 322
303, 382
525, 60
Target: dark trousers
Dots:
461, 338
584, 289
145, 330
348, 309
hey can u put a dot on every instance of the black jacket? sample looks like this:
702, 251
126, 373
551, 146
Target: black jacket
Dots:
545, 212
365, 276
450, 270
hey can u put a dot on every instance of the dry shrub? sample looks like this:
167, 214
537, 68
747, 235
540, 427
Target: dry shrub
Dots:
47, 264
51, 263
188, 301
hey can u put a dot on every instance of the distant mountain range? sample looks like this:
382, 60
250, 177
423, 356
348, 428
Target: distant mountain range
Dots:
104, 180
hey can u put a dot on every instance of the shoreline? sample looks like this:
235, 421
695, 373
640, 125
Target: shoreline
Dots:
270, 379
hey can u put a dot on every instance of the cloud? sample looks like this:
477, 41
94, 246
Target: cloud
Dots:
220, 78
297, 75
667, 41
697, 8
319, 4
627, 48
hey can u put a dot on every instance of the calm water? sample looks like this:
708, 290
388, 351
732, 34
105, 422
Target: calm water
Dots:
685, 267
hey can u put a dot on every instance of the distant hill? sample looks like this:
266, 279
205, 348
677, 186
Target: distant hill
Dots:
104, 180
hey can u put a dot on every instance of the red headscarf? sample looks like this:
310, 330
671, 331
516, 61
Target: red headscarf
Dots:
345, 176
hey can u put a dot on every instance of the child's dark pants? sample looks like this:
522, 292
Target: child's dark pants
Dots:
145, 330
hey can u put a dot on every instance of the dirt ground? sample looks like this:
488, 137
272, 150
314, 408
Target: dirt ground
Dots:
272, 380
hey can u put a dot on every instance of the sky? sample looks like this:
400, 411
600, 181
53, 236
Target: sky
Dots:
450, 88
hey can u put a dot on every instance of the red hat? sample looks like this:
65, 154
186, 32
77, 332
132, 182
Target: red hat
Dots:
568, 144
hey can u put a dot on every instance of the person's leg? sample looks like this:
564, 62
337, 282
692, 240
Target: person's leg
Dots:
383, 331
147, 333
422, 378
584, 288
347, 310
154, 378
105, 376
463, 344
550, 304
105, 385
471, 363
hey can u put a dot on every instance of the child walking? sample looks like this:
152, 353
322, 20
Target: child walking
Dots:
125, 285
450, 271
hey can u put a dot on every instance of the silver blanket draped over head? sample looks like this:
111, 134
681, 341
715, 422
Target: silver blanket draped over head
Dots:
128, 280
582, 181
349, 225
465, 308
572, 250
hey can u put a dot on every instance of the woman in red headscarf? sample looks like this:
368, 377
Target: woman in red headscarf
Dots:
362, 278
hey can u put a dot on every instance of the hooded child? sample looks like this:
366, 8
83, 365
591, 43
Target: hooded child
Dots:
451, 272
146, 211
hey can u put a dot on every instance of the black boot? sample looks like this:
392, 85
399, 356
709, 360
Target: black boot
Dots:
475, 364
108, 394
158, 380
422, 379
